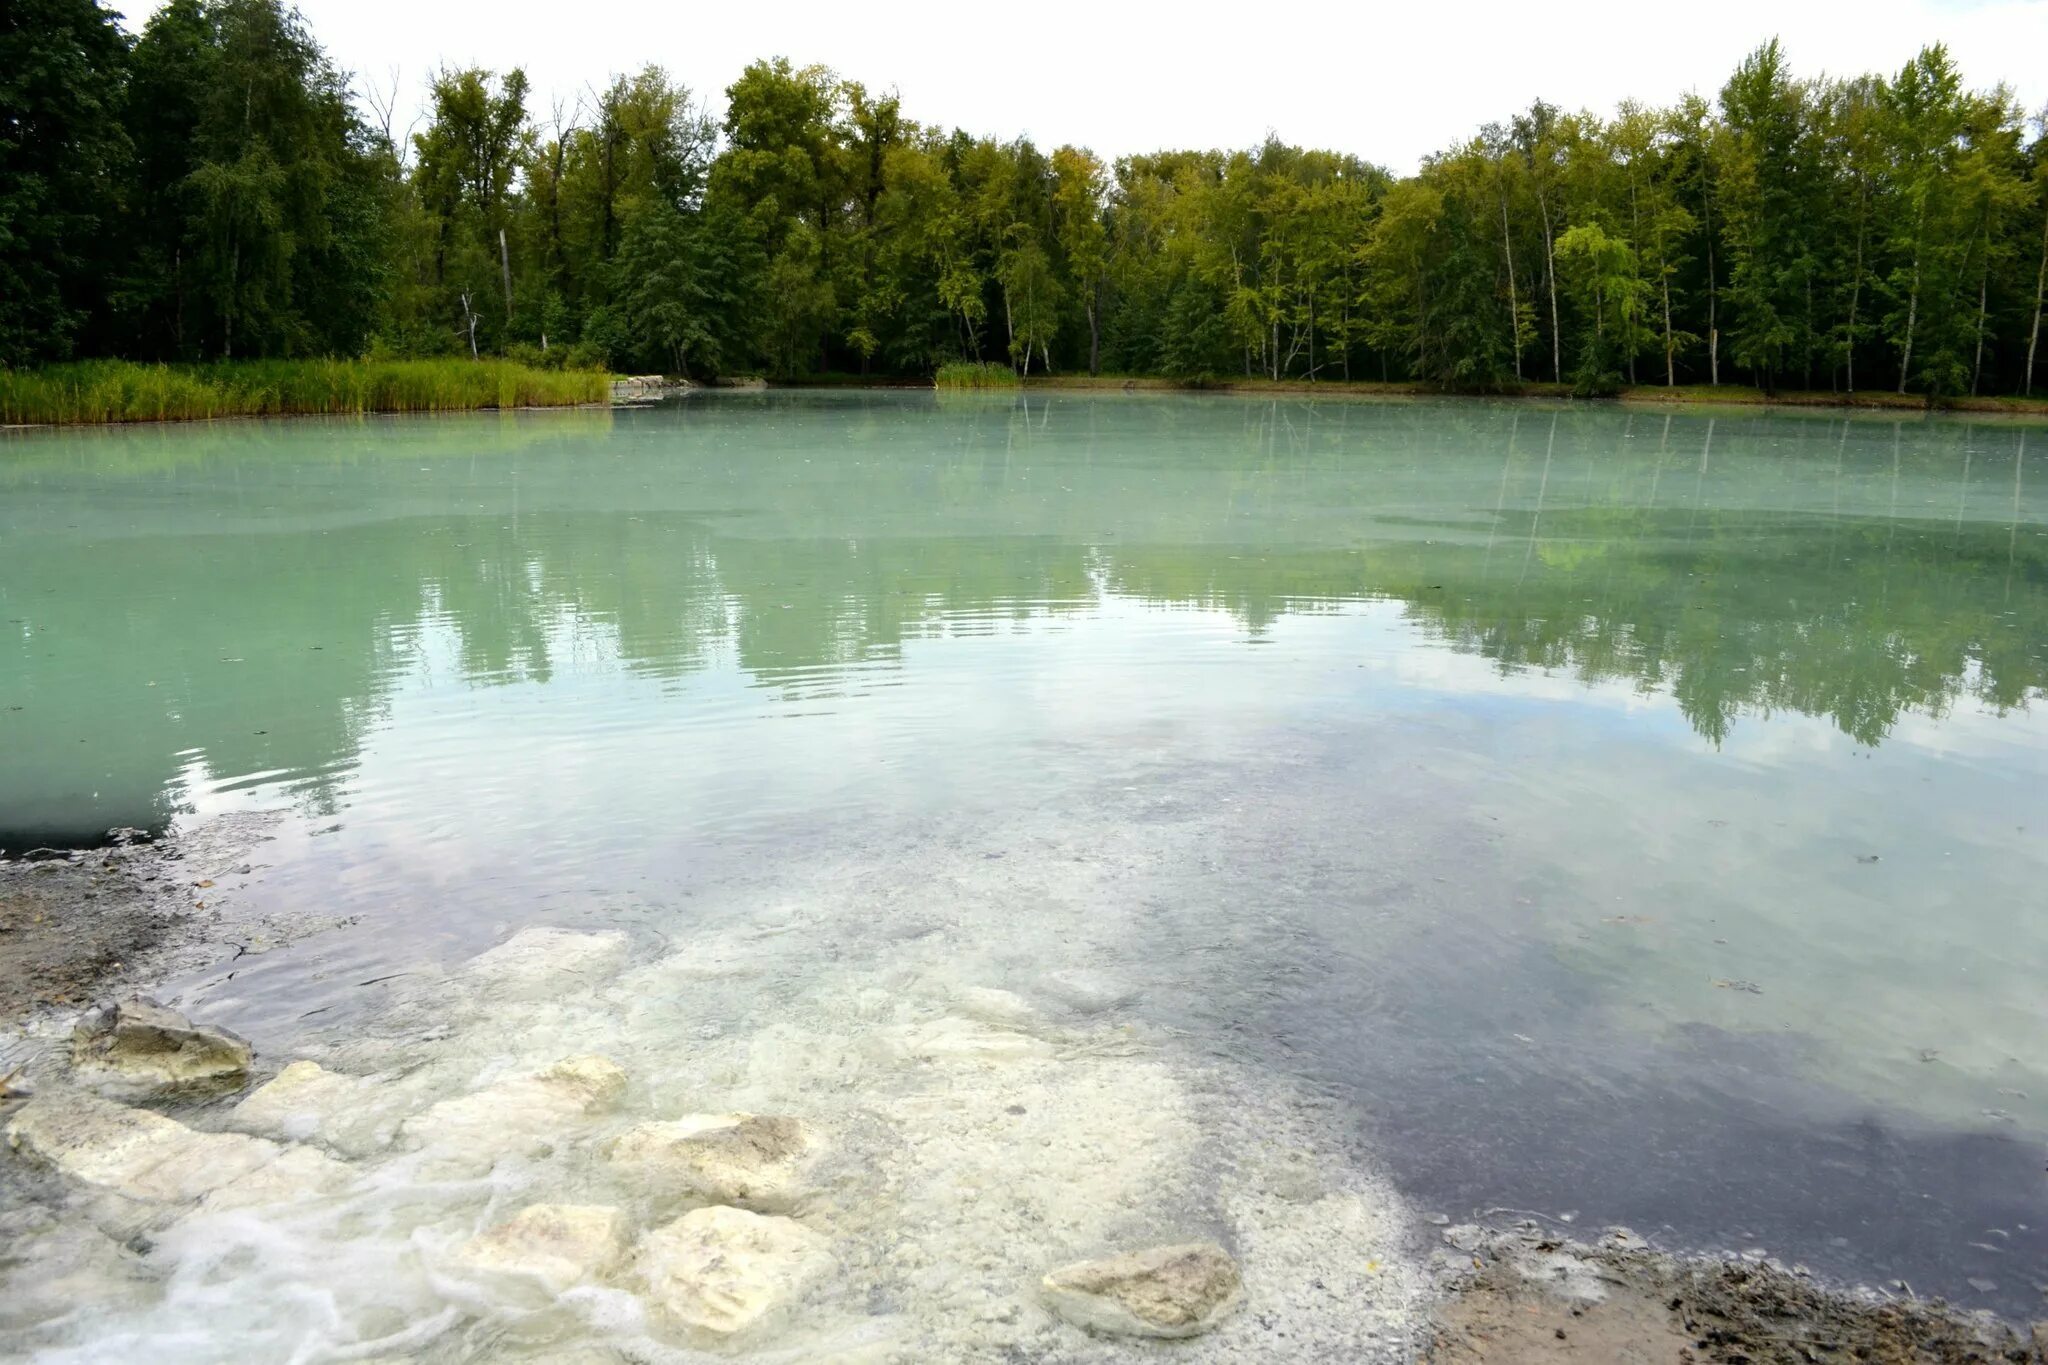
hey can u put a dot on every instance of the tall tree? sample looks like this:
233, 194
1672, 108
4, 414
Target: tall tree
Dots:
63, 153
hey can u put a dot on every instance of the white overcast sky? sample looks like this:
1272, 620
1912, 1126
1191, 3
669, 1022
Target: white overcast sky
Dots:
1389, 82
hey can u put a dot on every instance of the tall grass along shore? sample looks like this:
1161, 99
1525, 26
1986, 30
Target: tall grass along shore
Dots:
101, 391
967, 374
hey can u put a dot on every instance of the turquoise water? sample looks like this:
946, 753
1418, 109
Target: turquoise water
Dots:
1617, 814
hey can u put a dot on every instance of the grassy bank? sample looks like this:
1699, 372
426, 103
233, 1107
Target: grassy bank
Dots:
120, 391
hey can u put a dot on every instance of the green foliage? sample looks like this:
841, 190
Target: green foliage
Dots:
213, 191
976, 374
62, 152
254, 226
121, 391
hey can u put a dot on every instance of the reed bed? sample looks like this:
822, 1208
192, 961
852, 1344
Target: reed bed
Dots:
965, 374
101, 391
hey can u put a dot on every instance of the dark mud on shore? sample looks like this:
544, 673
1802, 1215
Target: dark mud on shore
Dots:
82, 924
1525, 1298
77, 922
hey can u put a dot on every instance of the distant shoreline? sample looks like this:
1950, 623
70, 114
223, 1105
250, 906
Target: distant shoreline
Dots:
1641, 395
557, 390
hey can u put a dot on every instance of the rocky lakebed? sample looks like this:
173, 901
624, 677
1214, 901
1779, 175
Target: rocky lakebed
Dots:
580, 1145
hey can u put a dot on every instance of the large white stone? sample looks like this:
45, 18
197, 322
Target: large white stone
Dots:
952, 1041
992, 1005
1174, 1291
140, 1155
302, 1101
515, 1114
1087, 991
718, 1272
557, 1245
548, 961
754, 1161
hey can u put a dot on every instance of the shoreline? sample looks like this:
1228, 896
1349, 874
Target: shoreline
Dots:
130, 423
1524, 1296
1684, 396
1491, 1294
1698, 398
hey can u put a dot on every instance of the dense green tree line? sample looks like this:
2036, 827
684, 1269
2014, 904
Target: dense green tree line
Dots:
210, 188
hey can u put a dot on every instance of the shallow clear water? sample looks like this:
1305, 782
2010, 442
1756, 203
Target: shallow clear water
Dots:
1621, 816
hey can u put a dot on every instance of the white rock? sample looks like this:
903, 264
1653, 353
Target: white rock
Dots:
298, 1173
142, 1043
721, 1271
516, 1114
756, 1162
558, 1245
546, 961
1175, 1291
991, 1005
1085, 991
139, 1155
962, 1040
300, 1102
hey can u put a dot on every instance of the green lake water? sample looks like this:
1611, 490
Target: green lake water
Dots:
1628, 817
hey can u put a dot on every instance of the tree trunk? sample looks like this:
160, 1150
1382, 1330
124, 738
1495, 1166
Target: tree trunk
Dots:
227, 350
1855, 300
1713, 291
1670, 358
1507, 245
1983, 299
1345, 323
1311, 336
1635, 228
1807, 372
2040, 291
505, 263
1912, 322
1094, 329
1550, 276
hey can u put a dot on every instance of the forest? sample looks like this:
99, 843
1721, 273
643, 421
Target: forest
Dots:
214, 189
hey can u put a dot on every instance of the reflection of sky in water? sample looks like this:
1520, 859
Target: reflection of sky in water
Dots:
1548, 742
1664, 870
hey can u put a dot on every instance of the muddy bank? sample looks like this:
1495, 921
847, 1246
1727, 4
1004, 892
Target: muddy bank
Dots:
78, 925
1528, 1297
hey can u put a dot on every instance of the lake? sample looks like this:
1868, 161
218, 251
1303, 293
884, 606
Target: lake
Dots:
1613, 815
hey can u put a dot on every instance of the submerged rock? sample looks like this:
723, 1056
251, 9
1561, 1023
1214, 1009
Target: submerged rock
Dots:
759, 1162
992, 1005
960, 1040
1086, 991
139, 1155
721, 1271
141, 1042
558, 1245
546, 961
302, 1101
516, 1113
1175, 1291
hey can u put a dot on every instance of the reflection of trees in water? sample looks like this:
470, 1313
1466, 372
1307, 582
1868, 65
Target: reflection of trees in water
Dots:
1744, 564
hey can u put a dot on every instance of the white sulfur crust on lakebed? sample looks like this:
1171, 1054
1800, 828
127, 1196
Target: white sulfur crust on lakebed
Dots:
907, 1158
